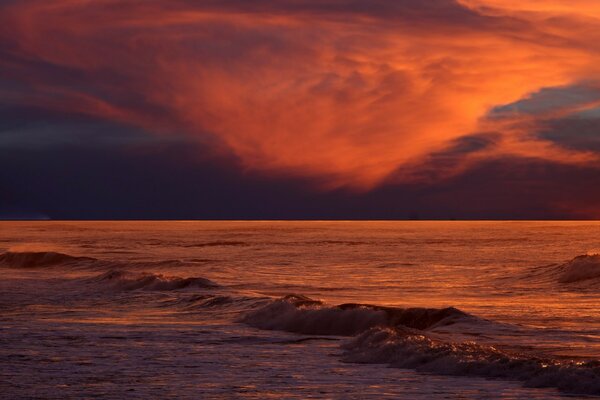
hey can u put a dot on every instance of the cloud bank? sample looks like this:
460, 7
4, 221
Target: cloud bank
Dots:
347, 94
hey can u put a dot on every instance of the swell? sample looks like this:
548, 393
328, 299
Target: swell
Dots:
415, 349
581, 268
581, 271
127, 280
38, 259
300, 314
44, 259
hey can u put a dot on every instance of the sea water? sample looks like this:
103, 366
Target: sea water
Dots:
294, 310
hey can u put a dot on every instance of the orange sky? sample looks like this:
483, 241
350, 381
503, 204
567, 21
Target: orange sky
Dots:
341, 92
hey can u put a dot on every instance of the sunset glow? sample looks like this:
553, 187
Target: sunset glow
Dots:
344, 93
294, 199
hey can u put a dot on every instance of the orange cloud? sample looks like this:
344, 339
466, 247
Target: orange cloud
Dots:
346, 94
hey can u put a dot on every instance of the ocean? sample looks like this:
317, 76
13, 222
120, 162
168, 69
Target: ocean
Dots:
297, 310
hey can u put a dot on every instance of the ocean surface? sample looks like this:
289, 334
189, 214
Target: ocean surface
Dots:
296, 310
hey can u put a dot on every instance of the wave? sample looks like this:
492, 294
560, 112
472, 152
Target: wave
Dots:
41, 259
219, 243
409, 338
37, 259
300, 314
581, 268
404, 347
579, 272
126, 280
337, 242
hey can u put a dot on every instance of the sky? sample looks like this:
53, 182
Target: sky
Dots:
300, 109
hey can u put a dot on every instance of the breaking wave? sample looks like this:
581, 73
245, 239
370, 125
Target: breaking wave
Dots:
581, 271
125, 280
408, 338
403, 347
300, 314
37, 259
581, 268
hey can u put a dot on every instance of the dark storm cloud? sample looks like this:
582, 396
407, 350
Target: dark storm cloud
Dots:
170, 181
298, 108
460, 155
341, 92
409, 10
550, 101
26, 127
568, 117
575, 133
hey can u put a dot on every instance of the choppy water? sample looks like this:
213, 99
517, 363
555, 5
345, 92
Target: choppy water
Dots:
299, 310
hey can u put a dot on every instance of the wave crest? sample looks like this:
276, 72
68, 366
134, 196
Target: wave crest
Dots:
37, 259
300, 314
581, 268
125, 280
409, 348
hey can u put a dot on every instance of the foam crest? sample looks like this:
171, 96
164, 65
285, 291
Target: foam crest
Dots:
403, 347
301, 314
125, 280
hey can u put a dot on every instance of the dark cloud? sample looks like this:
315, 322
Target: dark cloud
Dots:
574, 133
550, 101
298, 109
26, 127
449, 162
170, 181
568, 117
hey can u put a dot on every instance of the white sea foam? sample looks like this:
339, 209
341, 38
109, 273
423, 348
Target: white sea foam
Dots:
408, 348
410, 338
